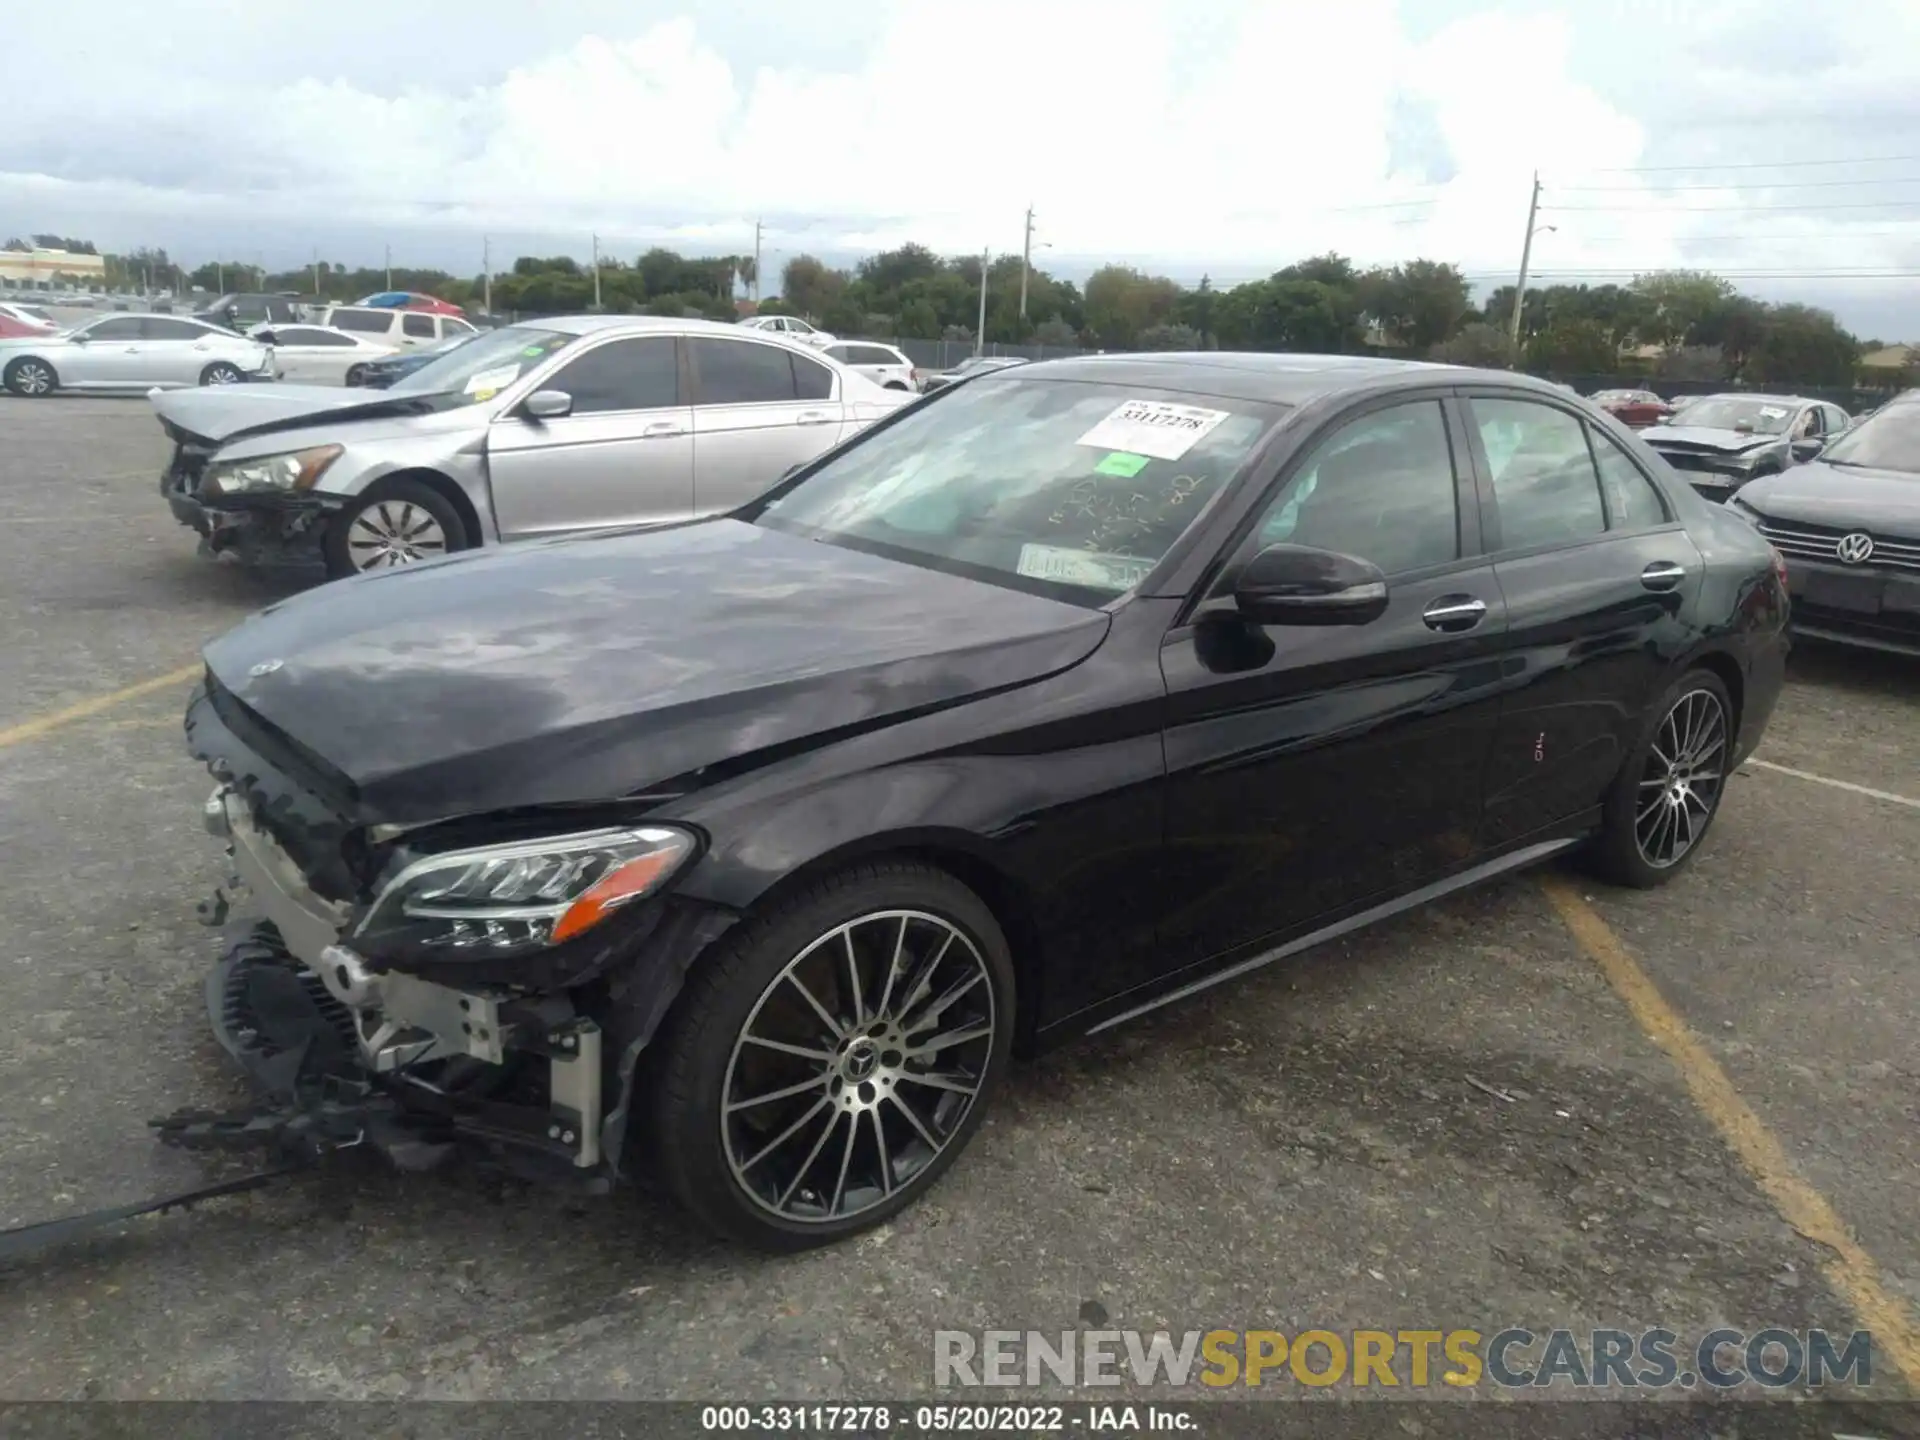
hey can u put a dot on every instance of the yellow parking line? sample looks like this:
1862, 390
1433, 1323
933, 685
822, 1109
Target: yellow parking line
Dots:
47, 724
1848, 1267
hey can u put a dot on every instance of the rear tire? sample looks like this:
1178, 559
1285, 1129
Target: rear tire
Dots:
31, 377
220, 373
826, 1145
400, 522
356, 375
1666, 796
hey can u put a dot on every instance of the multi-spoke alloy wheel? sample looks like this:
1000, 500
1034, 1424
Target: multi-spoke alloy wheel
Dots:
394, 532
1668, 790
404, 520
858, 1065
1680, 783
831, 1055
31, 378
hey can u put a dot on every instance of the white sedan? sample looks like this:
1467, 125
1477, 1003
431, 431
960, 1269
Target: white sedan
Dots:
790, 327
133, 352
319, 354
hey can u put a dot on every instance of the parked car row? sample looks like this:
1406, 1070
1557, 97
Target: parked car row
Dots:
557, 428
743, 854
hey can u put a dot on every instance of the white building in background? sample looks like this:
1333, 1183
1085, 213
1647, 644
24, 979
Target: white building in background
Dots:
38, 268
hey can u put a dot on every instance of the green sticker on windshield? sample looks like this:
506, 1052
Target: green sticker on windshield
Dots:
534, 352
1119, 462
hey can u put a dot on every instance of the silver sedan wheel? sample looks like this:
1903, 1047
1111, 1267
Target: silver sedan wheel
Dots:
393, 532
222, 375
30, 377
1681, 783
857, 1066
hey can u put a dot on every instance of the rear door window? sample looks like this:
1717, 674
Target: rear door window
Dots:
1545, 485
365, 322
741, 372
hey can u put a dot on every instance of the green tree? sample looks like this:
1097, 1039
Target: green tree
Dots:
1804, 345
888, 271
1475, 343
1121, 302
809, 286
1676, 302
1573, 347
1419, 303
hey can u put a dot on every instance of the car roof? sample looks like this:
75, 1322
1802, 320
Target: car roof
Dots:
641, 324
1276, 379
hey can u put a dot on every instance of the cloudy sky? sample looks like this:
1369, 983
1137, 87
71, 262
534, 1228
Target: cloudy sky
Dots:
1778, 145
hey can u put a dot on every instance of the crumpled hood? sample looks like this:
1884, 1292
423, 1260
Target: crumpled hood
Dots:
220, 413
548, 673
1886, 502
1699, 437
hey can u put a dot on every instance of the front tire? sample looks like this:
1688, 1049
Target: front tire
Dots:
397, 524
1667, 794
220, 373
833, 1057
356, 376
31, 377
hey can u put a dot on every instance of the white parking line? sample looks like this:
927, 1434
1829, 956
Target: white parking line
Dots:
1846, 785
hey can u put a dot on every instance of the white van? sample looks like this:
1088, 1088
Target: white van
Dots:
400, 329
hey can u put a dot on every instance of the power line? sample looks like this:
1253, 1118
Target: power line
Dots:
1748, 165
1738, 209
1741, 185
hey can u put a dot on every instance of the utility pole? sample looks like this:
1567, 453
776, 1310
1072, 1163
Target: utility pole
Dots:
316, 272
219, 277
486, 273
1026, 261
596, 273
389, 267
980, 335
1526, 258
756, 263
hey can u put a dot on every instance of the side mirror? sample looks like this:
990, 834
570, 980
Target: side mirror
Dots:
1807, 449
1298, 585
547, 405
79, 337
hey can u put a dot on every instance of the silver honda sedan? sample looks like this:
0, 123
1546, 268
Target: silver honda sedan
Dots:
133, 353
555, 427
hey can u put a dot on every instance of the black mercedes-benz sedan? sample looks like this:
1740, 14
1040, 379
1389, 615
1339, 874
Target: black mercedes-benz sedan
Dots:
1849, 526
743, 854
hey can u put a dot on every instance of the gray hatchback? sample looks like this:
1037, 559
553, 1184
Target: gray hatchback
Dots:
550, 428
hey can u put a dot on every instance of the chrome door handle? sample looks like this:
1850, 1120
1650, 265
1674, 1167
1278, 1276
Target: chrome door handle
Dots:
1662, 575
1454, 612
662, 427
812, 417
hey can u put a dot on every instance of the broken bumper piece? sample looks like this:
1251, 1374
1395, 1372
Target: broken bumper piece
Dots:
424, 1071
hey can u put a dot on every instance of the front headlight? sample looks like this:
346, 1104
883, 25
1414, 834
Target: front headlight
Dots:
271, 473
502, 900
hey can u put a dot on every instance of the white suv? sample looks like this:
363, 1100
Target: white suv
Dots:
791, 326
396, 329
882, 364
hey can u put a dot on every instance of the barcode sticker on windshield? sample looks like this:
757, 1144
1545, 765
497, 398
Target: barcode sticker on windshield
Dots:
1083, 567
492, 380
1153, 427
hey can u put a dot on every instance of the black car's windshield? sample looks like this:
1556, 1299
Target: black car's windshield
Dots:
1762, 417
484, 365
1888, 439
1057, 486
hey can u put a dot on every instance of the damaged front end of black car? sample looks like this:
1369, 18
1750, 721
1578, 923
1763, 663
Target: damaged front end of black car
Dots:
443, 990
